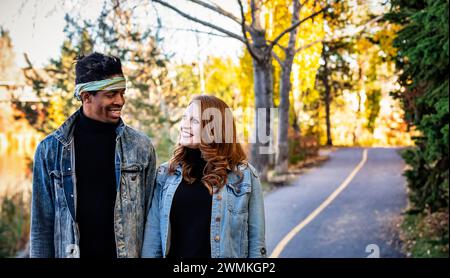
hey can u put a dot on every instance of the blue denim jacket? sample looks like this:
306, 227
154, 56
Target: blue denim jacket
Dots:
54, 231
237, 218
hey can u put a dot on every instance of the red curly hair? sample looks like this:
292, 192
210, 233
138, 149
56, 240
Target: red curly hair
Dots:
219, 156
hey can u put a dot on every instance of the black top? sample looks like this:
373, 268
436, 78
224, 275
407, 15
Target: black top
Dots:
95, 187
190, 215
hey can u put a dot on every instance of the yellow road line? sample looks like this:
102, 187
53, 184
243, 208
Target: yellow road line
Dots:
283, 243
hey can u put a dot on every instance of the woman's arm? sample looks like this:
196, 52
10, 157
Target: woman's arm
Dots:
256, 220
152, 246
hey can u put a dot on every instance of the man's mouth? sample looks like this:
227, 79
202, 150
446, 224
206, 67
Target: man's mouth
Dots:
115, 112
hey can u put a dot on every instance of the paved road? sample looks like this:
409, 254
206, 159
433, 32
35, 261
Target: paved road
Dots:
364, 213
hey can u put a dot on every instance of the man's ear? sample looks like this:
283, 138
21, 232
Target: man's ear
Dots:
86, 97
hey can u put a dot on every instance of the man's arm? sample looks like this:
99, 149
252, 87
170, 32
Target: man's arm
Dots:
150, 177
42, 209
152, 247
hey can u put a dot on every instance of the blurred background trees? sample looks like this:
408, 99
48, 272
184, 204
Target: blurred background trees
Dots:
352, 73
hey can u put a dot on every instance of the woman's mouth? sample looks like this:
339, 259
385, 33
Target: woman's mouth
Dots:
185, 134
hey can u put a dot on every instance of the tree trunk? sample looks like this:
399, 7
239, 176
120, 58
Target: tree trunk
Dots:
283, 125
263, 89
285, 89
327, 115
295, 123
327, 100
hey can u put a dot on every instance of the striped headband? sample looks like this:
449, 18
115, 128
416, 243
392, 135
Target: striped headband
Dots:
114, 83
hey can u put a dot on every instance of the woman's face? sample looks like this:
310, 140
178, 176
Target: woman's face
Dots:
190, 128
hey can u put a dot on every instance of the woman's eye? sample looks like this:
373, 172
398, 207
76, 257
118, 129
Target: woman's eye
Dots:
195, 121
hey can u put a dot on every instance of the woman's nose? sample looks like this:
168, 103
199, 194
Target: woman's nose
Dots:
185, 124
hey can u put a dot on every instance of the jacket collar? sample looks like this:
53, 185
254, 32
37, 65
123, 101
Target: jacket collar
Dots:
232, 177
65, 132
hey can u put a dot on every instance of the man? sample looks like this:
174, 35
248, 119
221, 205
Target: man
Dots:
93, 177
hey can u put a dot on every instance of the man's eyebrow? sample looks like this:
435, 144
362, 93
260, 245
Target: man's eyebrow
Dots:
115, 91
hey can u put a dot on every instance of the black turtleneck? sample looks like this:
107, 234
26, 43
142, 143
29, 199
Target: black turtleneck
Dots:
190, 215
96, 186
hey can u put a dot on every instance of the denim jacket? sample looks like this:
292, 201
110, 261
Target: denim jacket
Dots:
237, 227
54, 231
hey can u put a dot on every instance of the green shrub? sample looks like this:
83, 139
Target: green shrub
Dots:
14, 224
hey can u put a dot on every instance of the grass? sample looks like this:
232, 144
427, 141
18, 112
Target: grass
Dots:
425, 235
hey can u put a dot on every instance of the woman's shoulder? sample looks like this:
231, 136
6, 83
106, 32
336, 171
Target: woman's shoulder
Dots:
162, 173
163, 168
245, 166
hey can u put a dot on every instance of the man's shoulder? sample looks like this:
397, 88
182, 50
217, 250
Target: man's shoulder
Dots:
47, 147
49, 141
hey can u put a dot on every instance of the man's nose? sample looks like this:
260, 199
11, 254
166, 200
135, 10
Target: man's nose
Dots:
119, 99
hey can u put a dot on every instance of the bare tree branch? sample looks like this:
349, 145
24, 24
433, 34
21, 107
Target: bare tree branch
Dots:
216, 8
31, 67
261, 3
185, 15
274, 55
191, 30
279, 45
244, 32
253, 8
159, 22
308, 45
360, 29
203, 32
295, 25
293, 33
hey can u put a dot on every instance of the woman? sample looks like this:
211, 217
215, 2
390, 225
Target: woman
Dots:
208, 200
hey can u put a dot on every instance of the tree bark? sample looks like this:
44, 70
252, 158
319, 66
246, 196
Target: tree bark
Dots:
263, 90
327, 99
283, 125
285, 89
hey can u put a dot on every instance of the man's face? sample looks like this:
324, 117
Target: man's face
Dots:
105, 106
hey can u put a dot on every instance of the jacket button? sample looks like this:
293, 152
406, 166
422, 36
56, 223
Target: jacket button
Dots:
217, 238
217, 218
219, 197
238, 190
263, 251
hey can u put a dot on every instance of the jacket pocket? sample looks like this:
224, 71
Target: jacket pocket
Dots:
131, 180
238, 197
58, 187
